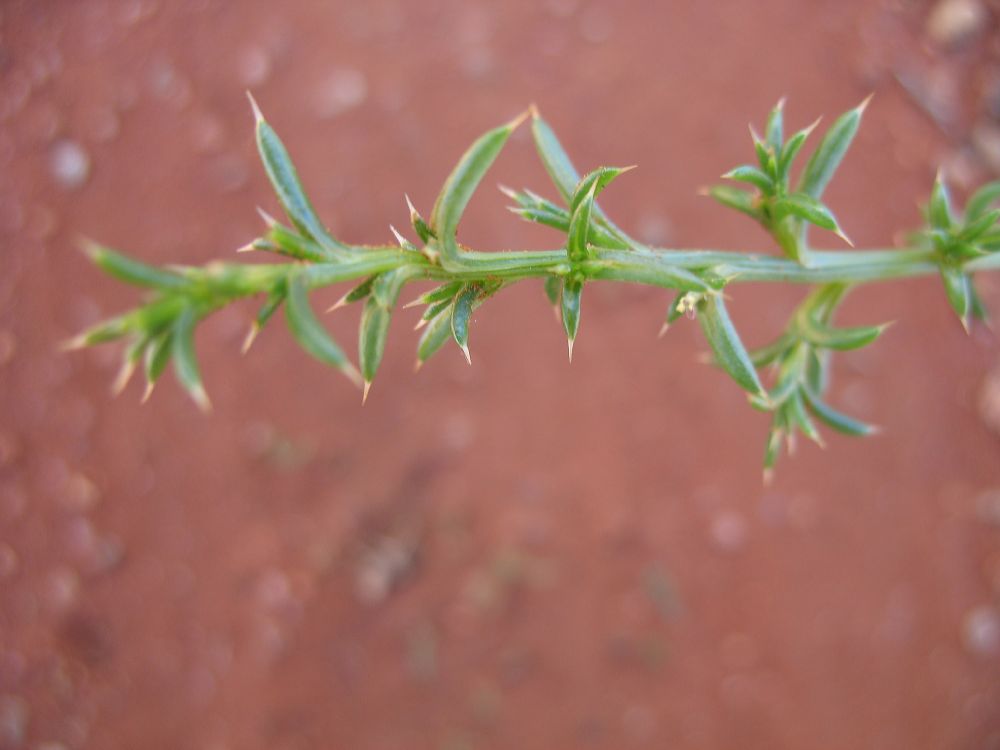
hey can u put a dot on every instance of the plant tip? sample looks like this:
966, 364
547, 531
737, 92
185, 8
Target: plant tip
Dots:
663, 329
533, 110
364, 394
147, 393
257, 114
403, 242
468, 355
569, 348
121, 379
516, 122
268, 219
768, 477
864, 105
250, 337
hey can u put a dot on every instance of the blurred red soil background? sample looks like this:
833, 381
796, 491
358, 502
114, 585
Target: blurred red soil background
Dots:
521, 554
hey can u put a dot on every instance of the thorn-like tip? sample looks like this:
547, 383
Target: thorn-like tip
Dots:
403, 242
569, 348
420, 324
844, 237
342, 302
663, 329
257, 114
73, 344
90, 248
417, 365
364, 394
864, 105
353, 375
516, 122
121, 379
201, 399
768, 477
409, 205
533, 110
468, 355
704, 191
268, 219
509, 192
147, 393
247, 248
781, 103
250, 337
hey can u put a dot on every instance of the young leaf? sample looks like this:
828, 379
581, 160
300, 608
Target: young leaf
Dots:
185, 361
554, 157
800, 418
957, 287
791, 150
732, 197
462, 183
132, 271
834, 419
157, 356
726, 345
775, 126
274, 299
310, 333
981, 200
979, 226
939, 206
285, 180
553, 288
461, 313
572, 292
375, 319
830, 152
579, 227
811, 210
753, 176
437, 332
827, 337
768, 354
286, 242
598, 180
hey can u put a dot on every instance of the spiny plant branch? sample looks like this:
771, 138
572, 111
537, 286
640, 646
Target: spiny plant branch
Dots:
952, 244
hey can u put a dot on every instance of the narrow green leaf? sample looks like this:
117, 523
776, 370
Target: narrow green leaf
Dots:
836, 420
554, 157
361, 291
437, 332
310, 333
439, 294
108, 330
978, 307
732, 197
292, 244
375, 318
818, 370
775, 126
132, 271
830, 152
799, 417
185, 361
594, 182
827, 337
285, 181
157, 355
572, 293
726, 345
465, 303
791, 150
553, 289
599, 236
753, 176
775, 439
579, 227
804, 207
766, 156
939, 207
957, 287
979, 226
768, 354
981, 200
462, 183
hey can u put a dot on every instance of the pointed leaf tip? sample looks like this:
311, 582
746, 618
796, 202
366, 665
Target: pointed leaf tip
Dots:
257, 114
364, 394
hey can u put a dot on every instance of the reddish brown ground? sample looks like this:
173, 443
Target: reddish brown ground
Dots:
589, 558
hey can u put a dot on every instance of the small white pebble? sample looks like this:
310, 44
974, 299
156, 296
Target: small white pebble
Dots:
981, 630
343, 89
69, 164
728, 531
253, 67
